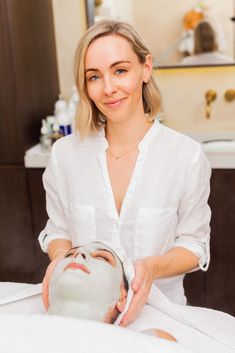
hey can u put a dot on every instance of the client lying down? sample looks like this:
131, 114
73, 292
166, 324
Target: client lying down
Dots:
93, 282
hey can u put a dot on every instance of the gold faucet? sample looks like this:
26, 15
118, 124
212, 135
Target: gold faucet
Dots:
229, 95
210, 96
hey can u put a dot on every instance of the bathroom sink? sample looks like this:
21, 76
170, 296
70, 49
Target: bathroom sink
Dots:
212, 137
219, 147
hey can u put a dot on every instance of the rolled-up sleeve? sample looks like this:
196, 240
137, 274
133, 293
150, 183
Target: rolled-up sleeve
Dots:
57, 226
193, 230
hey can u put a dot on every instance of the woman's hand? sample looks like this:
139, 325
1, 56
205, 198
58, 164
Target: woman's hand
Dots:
141, 286
58, 255
45, 282
57, 249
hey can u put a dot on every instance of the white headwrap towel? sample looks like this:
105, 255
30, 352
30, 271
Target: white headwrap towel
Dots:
128, 271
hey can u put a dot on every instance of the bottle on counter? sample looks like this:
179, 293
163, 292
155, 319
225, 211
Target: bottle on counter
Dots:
65, 123
56, 134
50, 119
45, 138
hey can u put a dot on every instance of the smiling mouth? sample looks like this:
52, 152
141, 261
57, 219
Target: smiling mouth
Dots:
76, 266
115, 102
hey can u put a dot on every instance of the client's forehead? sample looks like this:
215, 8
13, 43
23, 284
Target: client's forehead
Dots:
97, 246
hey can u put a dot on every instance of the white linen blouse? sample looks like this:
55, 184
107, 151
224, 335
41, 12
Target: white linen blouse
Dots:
165, 205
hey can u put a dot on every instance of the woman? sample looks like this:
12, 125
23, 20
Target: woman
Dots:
125, 178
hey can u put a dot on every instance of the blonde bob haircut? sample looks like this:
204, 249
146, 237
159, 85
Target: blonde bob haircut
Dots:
89, 119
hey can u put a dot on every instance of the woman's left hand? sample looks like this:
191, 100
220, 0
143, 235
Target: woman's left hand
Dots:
141, 286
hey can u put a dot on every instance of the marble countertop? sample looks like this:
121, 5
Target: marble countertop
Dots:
35, 157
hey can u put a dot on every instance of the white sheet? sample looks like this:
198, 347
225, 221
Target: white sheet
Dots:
197, 330
11, 291
47, 334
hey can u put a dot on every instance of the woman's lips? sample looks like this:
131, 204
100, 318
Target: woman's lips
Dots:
76, 266
115, 102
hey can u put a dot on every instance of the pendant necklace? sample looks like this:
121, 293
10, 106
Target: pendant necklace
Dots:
121, 155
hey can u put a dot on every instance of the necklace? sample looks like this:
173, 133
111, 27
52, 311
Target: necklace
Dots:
121, 155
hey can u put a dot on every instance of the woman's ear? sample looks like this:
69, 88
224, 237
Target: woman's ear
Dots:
121, 303
148, 68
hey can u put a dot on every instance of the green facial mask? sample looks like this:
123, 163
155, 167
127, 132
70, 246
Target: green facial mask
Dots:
86, 285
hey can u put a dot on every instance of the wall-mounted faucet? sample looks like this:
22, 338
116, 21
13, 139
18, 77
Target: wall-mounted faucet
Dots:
210, 96
229, 95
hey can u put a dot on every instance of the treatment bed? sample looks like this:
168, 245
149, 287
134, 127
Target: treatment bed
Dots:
25, 327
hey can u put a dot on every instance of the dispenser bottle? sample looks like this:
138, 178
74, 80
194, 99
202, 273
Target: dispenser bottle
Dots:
56, 134
45, 139
65, 123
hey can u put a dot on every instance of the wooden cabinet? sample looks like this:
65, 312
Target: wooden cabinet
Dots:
17, 244
28, 71
23, 216
38, 217
28, 90
216, 287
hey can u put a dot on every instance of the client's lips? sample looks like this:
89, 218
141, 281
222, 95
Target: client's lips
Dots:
76, 266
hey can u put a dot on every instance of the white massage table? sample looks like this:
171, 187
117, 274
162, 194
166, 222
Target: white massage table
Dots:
25, 327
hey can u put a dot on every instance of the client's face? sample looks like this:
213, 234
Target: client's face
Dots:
86, 283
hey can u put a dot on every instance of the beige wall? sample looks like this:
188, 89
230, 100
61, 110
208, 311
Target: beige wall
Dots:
70, 24
183, 93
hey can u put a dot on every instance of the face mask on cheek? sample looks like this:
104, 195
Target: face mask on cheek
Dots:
76, 293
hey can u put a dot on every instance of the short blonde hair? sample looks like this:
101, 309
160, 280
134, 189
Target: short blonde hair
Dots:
89, 119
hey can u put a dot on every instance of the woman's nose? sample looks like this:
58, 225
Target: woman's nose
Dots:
109, 86
80, 252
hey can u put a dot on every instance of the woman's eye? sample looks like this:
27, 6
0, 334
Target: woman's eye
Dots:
102, 258
68, 254
93, 78
120, 71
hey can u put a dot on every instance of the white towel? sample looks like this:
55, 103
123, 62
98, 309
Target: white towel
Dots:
213, 323
48, 334
11, 291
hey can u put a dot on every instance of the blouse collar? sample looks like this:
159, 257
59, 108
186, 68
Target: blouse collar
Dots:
150, 134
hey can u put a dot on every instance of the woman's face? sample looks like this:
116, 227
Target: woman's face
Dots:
86, 283
114, 77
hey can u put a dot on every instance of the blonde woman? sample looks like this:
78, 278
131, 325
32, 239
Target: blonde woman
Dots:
123, 177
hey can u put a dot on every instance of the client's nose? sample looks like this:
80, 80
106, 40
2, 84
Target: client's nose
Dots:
80, 252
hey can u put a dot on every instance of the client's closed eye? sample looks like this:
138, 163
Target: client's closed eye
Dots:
101, 257
104, 255
71, 252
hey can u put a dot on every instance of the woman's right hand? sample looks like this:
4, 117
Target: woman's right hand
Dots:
45, 282
57, 249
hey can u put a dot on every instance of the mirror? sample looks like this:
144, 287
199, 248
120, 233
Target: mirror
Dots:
169, 28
